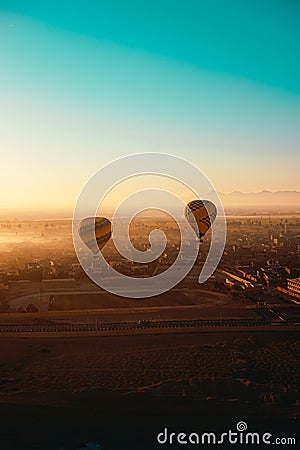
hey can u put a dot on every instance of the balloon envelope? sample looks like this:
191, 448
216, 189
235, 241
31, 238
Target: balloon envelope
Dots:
200, 214
95, 232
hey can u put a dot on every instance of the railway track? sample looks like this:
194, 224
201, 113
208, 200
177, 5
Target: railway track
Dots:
138, 325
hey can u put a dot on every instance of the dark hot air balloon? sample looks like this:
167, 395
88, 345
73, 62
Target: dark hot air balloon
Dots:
92, 227
200, 214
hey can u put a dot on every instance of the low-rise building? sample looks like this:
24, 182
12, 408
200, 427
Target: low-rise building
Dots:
294, 285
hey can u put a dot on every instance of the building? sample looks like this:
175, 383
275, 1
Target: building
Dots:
294, 285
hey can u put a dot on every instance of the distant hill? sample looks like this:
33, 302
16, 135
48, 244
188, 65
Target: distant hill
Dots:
280, 199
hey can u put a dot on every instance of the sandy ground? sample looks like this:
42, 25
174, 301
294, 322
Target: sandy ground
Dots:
102, 386
87, 299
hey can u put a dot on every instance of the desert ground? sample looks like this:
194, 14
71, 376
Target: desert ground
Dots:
118, 392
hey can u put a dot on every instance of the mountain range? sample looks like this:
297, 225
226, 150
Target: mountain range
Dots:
280, 199
278, 202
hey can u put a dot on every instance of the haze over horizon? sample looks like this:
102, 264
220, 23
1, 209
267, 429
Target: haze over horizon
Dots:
280, 202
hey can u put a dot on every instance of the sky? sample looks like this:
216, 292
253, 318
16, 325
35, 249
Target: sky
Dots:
85, 82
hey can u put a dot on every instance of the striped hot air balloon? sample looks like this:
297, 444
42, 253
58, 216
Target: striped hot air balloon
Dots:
95, 227
200, 214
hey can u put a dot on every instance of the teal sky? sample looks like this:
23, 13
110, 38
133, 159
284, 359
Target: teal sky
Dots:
85, 82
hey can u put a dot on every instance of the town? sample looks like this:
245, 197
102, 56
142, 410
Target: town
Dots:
260, 264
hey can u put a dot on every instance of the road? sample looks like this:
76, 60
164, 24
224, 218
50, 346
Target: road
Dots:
139, 325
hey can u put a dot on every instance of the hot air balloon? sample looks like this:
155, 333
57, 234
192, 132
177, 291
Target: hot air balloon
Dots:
200, 214
95, 227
